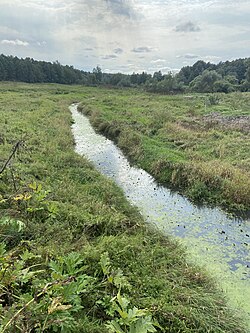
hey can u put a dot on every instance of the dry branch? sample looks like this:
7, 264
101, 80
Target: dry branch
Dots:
15, 148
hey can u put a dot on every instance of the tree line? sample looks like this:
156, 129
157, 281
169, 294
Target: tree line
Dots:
202, 77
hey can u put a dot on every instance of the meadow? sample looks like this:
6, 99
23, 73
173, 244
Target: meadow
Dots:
74, 255
195, 144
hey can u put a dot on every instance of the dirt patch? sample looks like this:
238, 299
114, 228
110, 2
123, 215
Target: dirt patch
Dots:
241, 123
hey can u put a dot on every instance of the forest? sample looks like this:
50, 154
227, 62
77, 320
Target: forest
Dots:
202, 77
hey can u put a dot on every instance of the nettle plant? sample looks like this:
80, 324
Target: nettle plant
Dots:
32, 300
125, 318
49, 295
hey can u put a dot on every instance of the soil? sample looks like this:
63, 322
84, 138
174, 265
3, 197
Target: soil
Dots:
241, 123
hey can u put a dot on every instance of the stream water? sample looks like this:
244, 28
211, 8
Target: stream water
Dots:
214, 240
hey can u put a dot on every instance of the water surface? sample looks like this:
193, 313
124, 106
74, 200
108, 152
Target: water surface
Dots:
217, 242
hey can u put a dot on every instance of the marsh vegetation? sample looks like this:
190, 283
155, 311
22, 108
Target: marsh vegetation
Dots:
196, 144
74, 255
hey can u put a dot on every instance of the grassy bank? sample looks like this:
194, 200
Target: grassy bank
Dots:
198, 144
74, 255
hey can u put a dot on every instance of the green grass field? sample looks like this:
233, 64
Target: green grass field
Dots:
196, 144
74, 255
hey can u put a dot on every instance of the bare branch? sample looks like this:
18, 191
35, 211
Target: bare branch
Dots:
15, 148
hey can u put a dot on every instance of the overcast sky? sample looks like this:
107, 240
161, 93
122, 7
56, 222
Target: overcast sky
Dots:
126, 35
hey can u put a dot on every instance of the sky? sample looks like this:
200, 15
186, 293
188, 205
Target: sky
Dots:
126, 35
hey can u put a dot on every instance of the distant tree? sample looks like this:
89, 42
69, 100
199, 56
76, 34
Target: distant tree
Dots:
205, 81
201, 77
158, 76
168, 85
151, 85
245, 84
134, 78
98, 74
236, 68
231, 79
143, 77
124, 82
10, 68
223, 86
115, 79
248, 74
3, 73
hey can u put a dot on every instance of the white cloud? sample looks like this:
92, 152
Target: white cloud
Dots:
16, 42
158, 61
144, 33
211, 58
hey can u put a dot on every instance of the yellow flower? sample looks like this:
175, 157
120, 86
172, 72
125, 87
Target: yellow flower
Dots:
18, 197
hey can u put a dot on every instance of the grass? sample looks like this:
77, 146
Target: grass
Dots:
55, 273
198, 144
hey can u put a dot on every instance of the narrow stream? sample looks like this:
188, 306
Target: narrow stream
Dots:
213, 240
